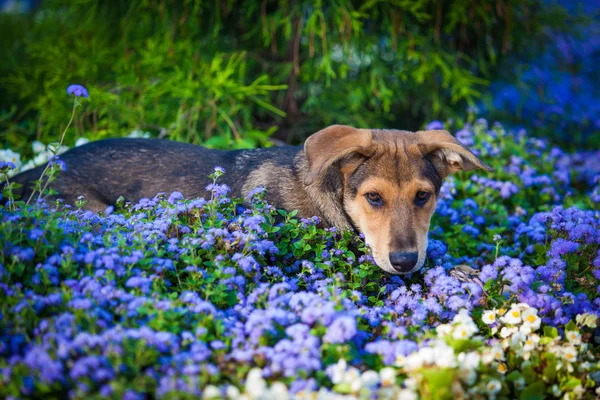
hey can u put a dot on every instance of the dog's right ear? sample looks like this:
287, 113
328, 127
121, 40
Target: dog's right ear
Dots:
333, 144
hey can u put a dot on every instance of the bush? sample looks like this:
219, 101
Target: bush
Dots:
176, 298
225, 73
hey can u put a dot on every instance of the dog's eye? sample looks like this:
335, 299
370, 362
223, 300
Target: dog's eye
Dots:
374, 199
422, 198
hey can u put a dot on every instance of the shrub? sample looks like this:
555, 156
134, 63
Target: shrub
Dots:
225, 73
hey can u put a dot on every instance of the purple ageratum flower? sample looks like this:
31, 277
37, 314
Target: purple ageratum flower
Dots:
341, 330
77, 91
55, 160
7, 164
434, 125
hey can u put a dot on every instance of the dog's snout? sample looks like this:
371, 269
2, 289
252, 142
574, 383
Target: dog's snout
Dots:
403, 262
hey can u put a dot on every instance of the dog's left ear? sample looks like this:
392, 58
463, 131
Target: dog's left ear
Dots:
448, 154
336, 143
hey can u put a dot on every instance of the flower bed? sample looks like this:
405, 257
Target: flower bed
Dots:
175, 298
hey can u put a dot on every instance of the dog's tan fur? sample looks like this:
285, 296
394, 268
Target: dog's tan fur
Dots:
394, 164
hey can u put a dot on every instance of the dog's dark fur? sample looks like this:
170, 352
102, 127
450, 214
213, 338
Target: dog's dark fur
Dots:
329, 177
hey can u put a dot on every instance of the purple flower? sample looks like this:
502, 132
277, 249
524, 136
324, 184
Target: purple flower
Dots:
77, 91
435, 125
341, 330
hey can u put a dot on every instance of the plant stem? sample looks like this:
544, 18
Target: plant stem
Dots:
54, 152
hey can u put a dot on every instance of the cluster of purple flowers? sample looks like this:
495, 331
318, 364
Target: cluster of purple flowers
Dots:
179, 294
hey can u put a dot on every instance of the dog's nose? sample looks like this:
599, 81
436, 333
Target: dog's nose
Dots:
403, 262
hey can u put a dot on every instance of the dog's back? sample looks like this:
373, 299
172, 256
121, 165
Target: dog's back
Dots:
104, 170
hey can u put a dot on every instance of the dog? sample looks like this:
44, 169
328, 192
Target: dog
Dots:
382, 183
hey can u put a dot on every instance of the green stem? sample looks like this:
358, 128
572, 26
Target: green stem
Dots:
54, 152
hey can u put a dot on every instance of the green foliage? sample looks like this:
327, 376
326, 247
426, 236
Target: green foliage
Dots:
216, 72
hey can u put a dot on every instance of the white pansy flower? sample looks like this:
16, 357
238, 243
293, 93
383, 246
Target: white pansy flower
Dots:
81, 141
498, 353
507, 332
462, 331
337, 371
469, 360
519, 383
531, 342
38, 146
469, 376
8, 155
255, 384
573, 337
370, 378
407, 394
279, 391
387, 376
444, 357
493, 386
232, 392
443, 330
578, 391
513, 316
569, 353
502, 368
531, 319
489, 317
211, 392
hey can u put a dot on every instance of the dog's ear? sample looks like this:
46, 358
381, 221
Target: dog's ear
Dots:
447, 154
335, 143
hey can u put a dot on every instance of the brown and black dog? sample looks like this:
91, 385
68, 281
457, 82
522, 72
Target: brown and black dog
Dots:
383, 183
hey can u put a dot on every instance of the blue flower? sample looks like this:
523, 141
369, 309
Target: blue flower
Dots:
77, 91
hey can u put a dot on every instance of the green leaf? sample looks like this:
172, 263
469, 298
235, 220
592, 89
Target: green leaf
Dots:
535, 391
550, 332
571, 326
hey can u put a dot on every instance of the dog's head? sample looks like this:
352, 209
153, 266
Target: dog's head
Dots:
389, 182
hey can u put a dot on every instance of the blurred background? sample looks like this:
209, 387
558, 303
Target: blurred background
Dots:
245, 73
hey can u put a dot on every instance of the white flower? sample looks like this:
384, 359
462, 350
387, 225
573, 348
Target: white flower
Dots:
211, 392
444, 356
337, 371
469, 360
38, 147
463, 331
531, 319
578, 391
443, 330
369, 378
8, 155
569, 353
255, 384
493, 386
139, 134
232, 392
489, 317
513, 316
278, 390
517, 339
81, 141
502, 368
556, 391
469, 376
387, 376
573, 337
531, 342
498, 353
506, 332
407, 394
519, 383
